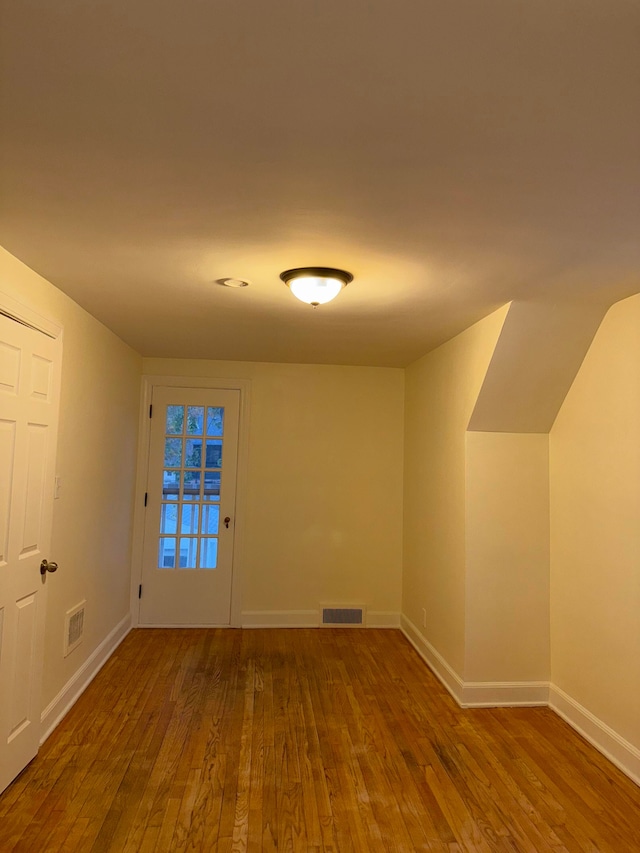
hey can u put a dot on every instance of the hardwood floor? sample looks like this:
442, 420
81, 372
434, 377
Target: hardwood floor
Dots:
306, 740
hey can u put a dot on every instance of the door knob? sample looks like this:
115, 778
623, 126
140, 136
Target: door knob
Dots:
227, 519
46, 566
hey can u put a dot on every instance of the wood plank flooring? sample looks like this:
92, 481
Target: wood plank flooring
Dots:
306, 740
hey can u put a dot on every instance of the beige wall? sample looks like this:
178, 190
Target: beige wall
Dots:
96, 462
595, 528
507, 541
441, 391
324, 498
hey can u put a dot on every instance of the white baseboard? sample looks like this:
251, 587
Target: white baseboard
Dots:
619, 751
497, 694
310, 619
382, 619
181, 625
434, 660
280, 618
81, 679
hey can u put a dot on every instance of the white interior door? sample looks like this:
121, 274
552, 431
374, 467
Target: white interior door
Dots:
190, 512
29, 381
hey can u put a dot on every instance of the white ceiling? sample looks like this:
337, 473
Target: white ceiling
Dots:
452, 154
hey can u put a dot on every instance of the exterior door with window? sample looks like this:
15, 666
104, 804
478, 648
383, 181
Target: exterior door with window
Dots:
29, 394
189, 520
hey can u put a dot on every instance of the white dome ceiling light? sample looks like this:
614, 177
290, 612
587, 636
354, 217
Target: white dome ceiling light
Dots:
316, 285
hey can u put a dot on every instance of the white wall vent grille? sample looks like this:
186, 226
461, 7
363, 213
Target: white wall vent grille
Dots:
346, 617
73, 627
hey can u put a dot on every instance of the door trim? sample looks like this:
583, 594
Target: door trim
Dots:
239, 533
21, 313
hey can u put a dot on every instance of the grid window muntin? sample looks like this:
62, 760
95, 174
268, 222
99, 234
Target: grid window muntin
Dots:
191, 487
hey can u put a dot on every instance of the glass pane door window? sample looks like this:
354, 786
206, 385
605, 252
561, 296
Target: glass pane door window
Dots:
191, 487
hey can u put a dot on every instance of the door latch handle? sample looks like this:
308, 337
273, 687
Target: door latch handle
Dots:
227, 519
46, 566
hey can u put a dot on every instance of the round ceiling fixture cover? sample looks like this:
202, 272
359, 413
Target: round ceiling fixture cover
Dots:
316, 285
232, 282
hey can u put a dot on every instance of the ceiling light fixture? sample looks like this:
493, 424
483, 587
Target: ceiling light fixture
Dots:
316, 285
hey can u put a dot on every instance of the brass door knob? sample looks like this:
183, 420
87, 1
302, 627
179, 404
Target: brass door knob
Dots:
46, 566
227, 519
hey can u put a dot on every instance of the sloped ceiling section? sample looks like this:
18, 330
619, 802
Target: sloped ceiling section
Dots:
538, 354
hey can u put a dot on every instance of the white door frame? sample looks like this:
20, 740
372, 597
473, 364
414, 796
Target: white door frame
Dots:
148, 384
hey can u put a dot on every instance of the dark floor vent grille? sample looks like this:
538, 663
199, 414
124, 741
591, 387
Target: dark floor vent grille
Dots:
343, 616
